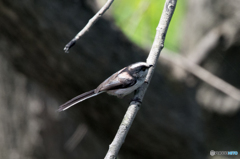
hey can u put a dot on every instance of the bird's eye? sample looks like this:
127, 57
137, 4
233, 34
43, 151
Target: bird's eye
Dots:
143, 68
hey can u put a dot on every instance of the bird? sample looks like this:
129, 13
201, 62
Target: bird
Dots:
119, 84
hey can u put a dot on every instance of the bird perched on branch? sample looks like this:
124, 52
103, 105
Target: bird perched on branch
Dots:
119, 84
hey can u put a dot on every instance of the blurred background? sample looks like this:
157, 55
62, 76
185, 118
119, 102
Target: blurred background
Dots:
191, 106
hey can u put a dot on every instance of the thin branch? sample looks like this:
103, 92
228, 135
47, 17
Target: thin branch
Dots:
157, 46
89, 25
204, 46
207, 42
203, 74
77, 137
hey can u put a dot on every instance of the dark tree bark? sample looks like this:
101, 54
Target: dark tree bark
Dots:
36, 77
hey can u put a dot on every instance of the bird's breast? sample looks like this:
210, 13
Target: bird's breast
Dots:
125, 91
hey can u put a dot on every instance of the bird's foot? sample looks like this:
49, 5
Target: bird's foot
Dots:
136, 100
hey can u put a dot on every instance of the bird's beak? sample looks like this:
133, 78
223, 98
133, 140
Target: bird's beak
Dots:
150, 66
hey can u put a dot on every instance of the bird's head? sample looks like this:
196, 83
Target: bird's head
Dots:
139, 69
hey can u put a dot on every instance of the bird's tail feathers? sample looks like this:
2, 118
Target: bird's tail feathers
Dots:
78, 99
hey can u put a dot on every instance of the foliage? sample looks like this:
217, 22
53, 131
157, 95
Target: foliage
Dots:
139, 19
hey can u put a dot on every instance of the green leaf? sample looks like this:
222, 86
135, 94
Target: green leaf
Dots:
139, 18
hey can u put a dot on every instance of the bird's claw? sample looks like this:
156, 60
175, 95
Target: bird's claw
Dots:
136, 100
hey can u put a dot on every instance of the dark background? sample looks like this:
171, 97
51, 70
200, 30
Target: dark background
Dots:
181, 116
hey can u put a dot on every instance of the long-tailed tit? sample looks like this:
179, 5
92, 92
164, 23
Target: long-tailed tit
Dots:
119, 84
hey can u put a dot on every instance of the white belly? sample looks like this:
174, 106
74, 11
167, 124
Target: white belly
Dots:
125, 91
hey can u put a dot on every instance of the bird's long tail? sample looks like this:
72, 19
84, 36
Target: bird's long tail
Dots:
78, 99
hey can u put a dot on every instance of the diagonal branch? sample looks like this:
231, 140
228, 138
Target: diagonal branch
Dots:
206, 43
157, 46
76, 138
89, 25
203, 74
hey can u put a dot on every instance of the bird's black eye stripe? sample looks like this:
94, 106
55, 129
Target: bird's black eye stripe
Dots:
143, 68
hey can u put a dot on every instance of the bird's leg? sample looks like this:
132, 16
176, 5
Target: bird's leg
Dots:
136, 99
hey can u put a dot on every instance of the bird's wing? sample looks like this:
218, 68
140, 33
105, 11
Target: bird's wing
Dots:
117, 81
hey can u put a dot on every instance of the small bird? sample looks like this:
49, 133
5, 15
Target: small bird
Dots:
119, 84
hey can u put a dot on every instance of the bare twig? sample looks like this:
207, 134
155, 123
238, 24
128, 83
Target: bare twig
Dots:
157, 46
208, 42
77, 137
203, 74
89, 24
